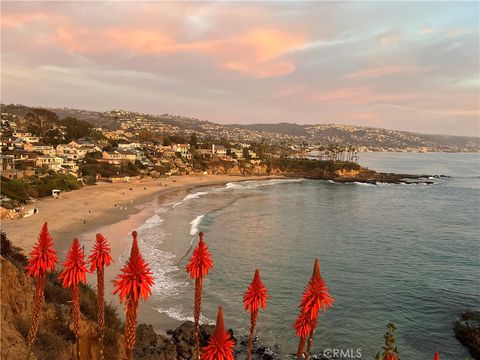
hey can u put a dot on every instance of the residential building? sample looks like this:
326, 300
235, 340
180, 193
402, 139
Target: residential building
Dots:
27, 137
183, 150
51, 162
118, 157
39, 147
8, 162
219, 150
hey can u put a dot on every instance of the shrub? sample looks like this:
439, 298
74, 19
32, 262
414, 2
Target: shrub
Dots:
15, 189
12, 253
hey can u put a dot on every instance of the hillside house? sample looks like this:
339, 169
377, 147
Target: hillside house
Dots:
50, 162
39, 147
118, 157
26, 137
183, 150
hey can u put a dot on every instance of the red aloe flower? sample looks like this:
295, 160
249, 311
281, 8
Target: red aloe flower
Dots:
436, 356
43, 256
136, 279
390, 356
74, 273
99, 259
200, 262
315, 297
255, 297
42, 259
134, 250
220, 346
303, 327
198, 266
133, 284
100, 254
75, 270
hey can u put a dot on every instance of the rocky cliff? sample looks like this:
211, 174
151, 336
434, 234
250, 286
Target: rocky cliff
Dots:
310, 169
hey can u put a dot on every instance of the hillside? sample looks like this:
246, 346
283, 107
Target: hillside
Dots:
365, 138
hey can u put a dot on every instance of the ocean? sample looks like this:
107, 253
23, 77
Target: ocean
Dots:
403, 253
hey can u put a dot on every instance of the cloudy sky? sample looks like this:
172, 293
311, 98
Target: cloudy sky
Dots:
399, 65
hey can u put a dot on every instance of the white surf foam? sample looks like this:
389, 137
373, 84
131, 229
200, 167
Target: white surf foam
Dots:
191, 197
194, 225
259, 183
363, 184
177, 312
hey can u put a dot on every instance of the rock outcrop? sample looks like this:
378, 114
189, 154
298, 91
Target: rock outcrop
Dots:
467, 331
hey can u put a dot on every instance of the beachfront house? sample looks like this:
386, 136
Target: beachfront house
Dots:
219, 150
204, 151
50, 162
183, 150
118, 157
74, 151
237, 153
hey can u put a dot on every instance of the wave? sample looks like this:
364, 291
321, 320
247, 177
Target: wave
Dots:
152, 222
176, 312
194, 224
363, 184
252, 184
191, 197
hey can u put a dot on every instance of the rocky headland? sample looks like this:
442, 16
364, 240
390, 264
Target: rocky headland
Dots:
337, 171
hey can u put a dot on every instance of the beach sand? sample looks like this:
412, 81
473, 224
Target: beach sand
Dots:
115, 210
77, 212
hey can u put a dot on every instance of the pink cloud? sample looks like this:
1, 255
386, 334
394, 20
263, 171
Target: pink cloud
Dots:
381, 71
256, 53
347, 96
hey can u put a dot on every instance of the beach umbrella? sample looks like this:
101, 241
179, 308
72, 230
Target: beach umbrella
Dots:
73, 274
99, 259
42, 259
132, 284
315, 297
220, 345
198, 267
255, 297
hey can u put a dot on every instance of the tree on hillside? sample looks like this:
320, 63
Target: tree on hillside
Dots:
41, 122
75, 129
193, 140
246, 154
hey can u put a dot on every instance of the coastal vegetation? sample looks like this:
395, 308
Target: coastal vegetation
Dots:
37, 186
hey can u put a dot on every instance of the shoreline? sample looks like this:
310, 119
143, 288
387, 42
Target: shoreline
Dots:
77, 212
65, 221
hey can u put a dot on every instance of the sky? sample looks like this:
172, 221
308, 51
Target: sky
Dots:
399, 65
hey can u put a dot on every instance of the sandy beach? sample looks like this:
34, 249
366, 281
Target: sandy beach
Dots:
78, 212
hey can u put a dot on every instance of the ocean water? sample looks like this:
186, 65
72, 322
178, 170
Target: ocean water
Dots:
403, 253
